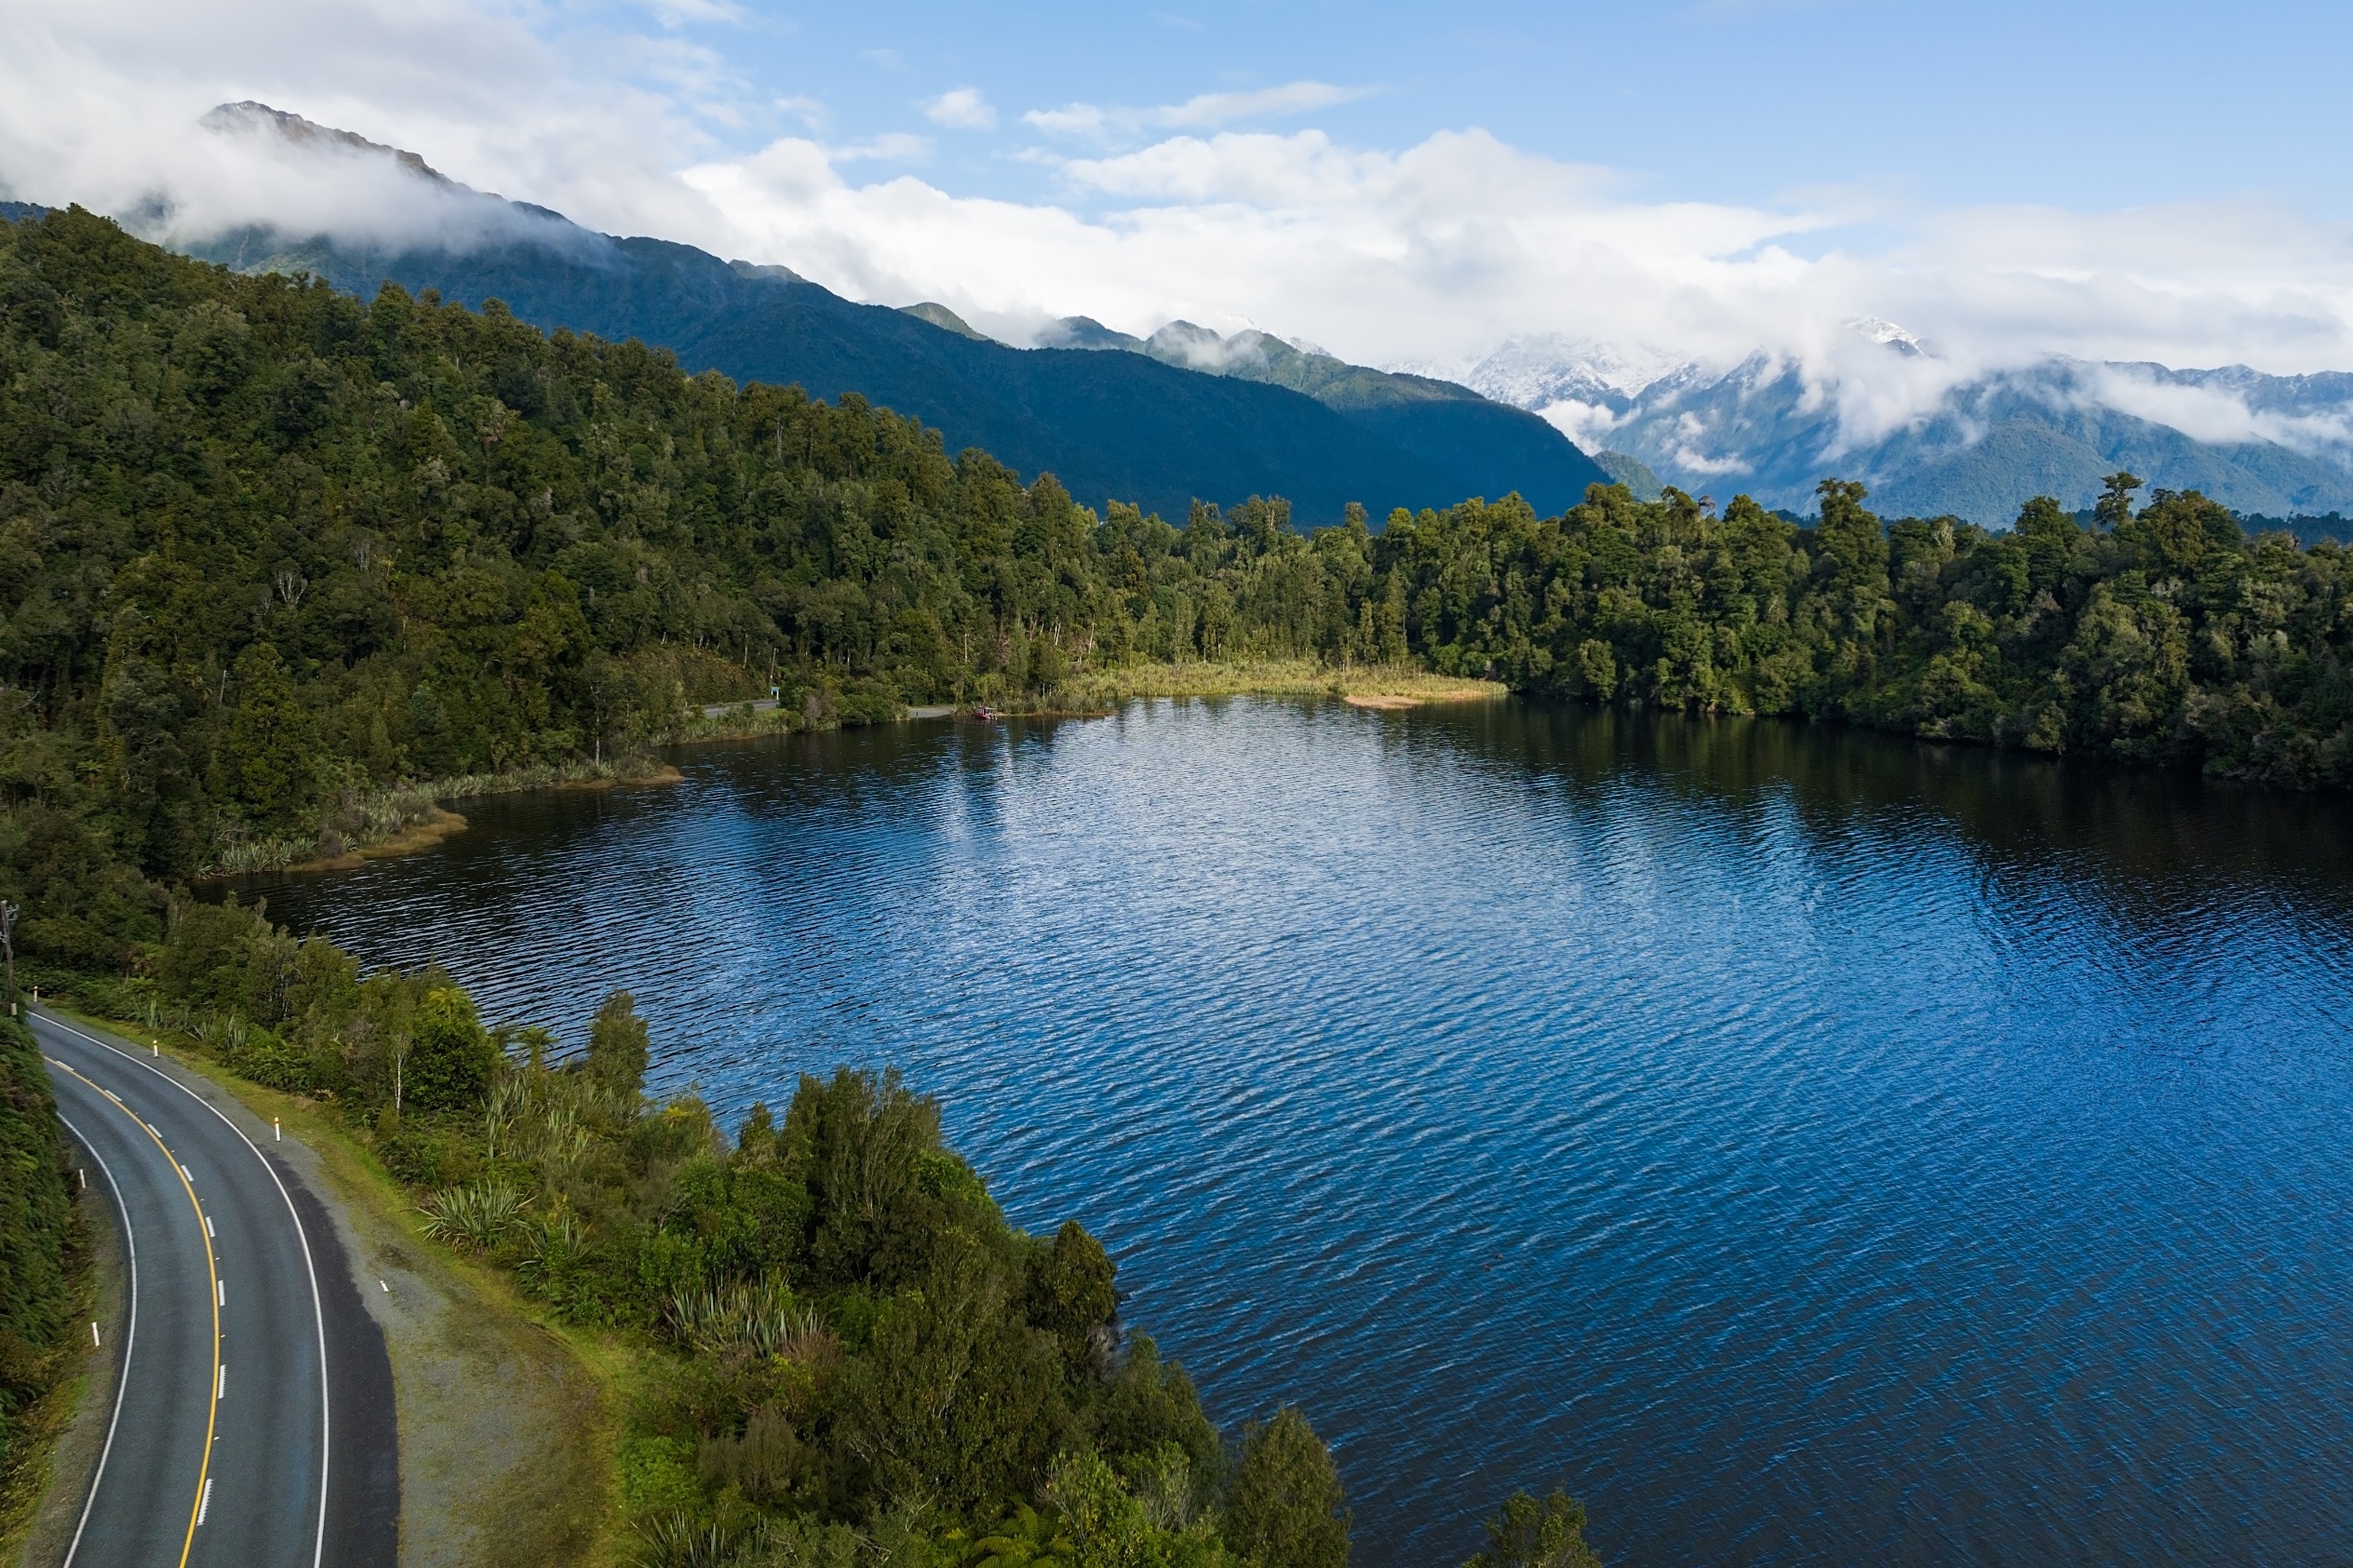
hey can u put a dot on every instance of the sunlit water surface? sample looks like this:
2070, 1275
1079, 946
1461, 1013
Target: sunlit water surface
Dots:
1809, 1148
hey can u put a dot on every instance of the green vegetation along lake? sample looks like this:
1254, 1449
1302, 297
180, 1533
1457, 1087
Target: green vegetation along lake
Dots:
1809, 1145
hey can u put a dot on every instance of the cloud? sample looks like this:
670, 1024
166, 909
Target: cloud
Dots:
963, 108
681, 13
2208, 413
810, 112
1208, 110
896, 146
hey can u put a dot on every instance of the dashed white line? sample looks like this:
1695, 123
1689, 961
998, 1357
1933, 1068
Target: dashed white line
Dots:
206, 1502
221, 1292
208, 1227
221, 1384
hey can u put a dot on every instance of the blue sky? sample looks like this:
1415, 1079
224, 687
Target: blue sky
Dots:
2082, 105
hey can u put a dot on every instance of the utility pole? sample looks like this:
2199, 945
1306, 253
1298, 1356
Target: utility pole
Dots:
8, 913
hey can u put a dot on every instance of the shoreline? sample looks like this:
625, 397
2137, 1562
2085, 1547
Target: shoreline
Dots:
410, 817
404, 818
1383, 687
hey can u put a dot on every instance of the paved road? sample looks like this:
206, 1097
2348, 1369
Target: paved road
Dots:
253, 1423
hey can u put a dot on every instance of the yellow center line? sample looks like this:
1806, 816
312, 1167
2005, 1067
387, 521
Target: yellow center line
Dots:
212, 1269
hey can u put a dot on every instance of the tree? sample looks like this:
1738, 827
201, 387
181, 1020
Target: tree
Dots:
619, 1048
272, 747
1283, 1506
2115, 504
1072, 1291
451, 1056
1532, 1534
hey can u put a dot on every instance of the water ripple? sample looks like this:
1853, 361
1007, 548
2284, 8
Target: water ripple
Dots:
1813, 1148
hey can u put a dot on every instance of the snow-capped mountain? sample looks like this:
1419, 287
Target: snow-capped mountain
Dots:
1542, 369
2275, 446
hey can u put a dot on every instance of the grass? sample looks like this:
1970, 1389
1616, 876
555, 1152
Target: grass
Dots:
41, 1427
1366, 685
402, 818
509, 1419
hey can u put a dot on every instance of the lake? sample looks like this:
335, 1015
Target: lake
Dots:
1809, 1146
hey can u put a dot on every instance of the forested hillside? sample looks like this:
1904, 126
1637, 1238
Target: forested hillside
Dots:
42, 1266
1110, 428
265, 547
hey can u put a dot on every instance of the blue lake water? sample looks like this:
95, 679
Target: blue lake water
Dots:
1809, 1148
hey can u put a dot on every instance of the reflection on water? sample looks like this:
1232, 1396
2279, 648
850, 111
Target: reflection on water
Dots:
1812, 1147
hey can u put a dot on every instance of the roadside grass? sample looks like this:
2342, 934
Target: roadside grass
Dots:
509, 1419
41, 1429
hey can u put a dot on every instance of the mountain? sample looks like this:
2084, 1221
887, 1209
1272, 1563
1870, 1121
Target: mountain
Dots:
2055, 428
1442, 421
1133, 427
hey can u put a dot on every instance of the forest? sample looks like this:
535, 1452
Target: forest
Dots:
267, 548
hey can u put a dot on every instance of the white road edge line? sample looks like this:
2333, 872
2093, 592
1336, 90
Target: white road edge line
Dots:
310, 1264
131, 1338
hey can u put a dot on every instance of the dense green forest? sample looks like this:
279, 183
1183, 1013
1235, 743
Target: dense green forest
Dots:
265, 547
43, 1264
846, 1357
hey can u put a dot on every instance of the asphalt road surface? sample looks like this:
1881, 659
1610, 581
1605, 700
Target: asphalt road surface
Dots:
253, 1422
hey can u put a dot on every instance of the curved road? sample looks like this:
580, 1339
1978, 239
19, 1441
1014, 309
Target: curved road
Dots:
253, 1418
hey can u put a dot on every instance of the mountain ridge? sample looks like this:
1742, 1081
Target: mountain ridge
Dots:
1134, 428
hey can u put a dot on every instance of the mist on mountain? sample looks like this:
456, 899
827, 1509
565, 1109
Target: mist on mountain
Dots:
1978, 449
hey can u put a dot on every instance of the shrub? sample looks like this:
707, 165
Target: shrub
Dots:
451, 1057
477, 1217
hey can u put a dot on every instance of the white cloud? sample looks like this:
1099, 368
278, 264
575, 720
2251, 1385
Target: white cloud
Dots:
894, 147
810, 112
1209, 110
2208, 413
963, 108
680, 13
1588, 424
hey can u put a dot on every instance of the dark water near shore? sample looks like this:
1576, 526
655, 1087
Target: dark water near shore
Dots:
1812, 1147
